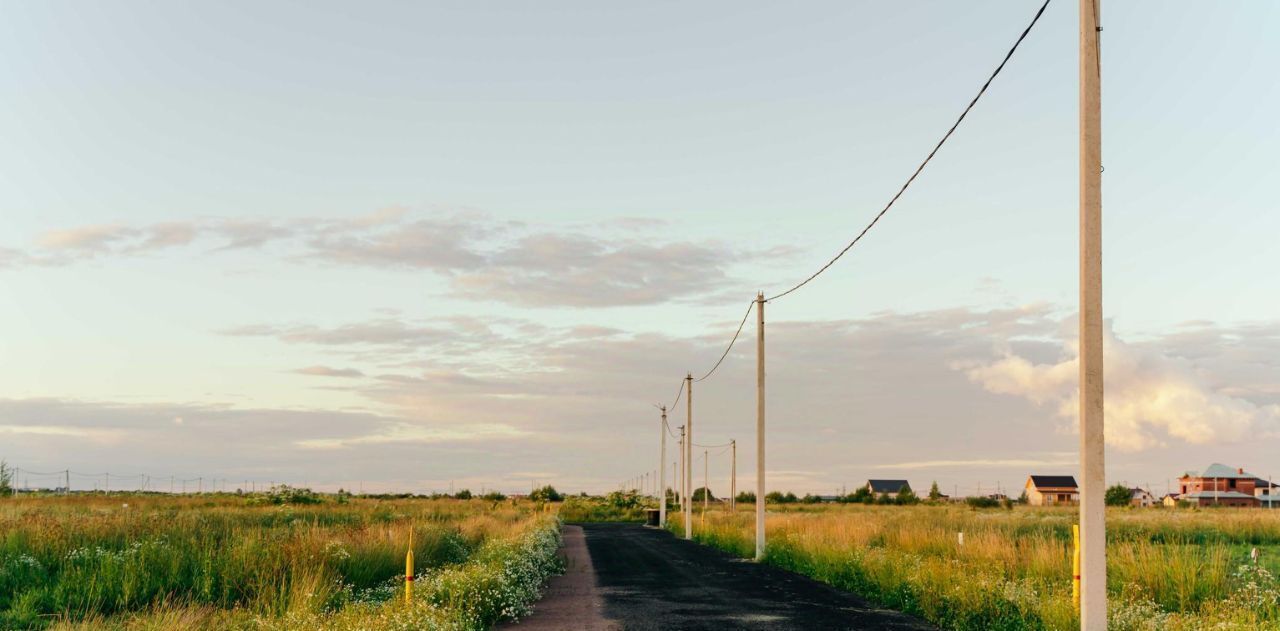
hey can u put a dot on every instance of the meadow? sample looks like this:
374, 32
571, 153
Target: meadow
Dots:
1168, 569
129, 561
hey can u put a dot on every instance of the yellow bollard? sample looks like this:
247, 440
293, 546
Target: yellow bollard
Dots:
408, 570
1075, 565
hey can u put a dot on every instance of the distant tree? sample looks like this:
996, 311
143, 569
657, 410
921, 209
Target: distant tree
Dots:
493, 496
906, 497
810, 498
934, 493
702, 491
546, 493
746, 497
464, 494
6, 479
884, 499
862, 495
1023, 499
1117, 495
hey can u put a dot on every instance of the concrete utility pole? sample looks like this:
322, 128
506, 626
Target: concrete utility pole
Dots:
1093, 551
662, 469
733, 476
688, 445
680, 495
759, 426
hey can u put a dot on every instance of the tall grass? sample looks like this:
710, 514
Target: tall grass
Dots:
147, 558
1166, 569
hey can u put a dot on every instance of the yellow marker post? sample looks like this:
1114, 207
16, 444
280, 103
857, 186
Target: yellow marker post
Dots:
408, 570
1075, 565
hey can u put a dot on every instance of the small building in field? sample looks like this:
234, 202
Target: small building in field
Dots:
882, 488
1141, 498
1170, 500
1220, 485
1052, 490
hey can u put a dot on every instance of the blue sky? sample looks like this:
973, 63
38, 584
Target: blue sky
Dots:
200, 201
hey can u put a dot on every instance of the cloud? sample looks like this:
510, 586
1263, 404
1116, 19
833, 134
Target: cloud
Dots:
464, 398
94, 434
1150, 396
325, 371
95, 238
417, 434
986, 463
480, 258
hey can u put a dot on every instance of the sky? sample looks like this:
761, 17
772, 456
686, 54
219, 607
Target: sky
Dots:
407, 245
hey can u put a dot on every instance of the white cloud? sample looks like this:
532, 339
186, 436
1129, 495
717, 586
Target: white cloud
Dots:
995, 462
418, 434
1150, 397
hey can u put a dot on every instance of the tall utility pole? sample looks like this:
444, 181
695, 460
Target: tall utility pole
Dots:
662, 470
759, 426
688, 446
733, 476
1093, 551
706, 482
680, 483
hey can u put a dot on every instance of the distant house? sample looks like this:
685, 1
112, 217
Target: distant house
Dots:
1170, 500
881, 488
1141, 498
1220, 485
1052, 490
1264, 487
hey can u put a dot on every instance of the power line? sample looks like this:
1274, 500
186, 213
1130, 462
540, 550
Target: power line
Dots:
927, 158
746, 315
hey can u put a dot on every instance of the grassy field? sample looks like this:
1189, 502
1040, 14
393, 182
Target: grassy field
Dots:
1167, 569
228, 562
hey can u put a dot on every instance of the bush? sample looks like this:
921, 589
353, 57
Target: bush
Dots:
6, 479
464, 494
982, 502
284, 494
746, 497
1118, 495
546, 493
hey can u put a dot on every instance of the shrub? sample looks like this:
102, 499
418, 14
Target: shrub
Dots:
546, 493
1118, 495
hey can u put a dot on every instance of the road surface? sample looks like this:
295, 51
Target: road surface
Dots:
635, 578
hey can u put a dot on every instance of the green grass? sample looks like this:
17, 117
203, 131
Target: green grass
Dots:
1167, 569
138, 561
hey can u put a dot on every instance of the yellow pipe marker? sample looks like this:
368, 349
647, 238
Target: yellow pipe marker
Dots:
408, 570
1075, 565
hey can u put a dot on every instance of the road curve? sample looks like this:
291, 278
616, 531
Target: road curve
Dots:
648, 579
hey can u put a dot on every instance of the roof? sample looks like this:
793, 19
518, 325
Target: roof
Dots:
1218, 495
1054, 481
1220, 471
888, 486
1134, 492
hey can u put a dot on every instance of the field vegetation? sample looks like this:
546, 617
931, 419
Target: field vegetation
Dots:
287, 559
1167, 569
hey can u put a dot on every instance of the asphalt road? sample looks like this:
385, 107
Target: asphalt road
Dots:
648, 579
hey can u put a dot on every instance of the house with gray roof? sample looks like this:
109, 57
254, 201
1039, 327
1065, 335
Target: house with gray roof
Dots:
880, 488
1220, 485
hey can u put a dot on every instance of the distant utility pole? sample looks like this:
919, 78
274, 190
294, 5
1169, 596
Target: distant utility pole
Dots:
688, 445
759, 426
1093, 551
662, 468
706, 482
733, 476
